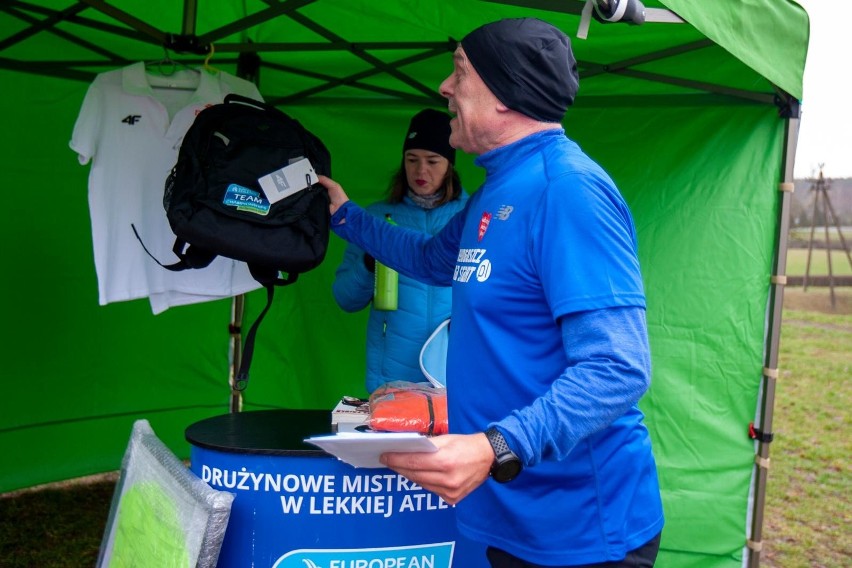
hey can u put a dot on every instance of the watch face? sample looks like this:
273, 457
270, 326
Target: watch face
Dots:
506, 471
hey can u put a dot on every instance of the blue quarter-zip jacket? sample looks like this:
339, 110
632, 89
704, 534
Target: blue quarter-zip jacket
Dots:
394, 338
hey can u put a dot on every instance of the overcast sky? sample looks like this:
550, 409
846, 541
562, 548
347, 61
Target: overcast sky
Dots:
825, 132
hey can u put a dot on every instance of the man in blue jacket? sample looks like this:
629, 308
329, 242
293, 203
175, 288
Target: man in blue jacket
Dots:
548, 459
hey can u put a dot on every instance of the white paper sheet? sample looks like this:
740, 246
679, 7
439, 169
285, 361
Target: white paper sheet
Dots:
362, 449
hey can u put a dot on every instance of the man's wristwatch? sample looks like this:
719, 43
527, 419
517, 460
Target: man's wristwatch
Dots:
506, 465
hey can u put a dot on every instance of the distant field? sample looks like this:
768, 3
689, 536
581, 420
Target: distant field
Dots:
804, 233
797, 262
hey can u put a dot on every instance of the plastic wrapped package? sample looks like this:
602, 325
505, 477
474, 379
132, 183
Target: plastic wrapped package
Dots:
162, 514
402, 406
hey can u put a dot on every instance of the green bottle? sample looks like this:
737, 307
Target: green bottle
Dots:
386, 284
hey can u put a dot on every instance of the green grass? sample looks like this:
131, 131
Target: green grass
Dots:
56, 527
807, 513
797, 262
797, 258
804, 233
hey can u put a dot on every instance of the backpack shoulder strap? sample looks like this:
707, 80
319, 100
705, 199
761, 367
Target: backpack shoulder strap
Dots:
269, 278
241, 380
190, 256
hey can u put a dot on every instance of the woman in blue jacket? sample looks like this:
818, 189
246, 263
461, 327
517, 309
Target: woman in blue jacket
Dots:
424, 194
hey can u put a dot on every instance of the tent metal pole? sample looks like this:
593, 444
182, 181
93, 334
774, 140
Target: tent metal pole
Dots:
763, 431
275, 9
238, 304
127, 19
236, 331
190, 11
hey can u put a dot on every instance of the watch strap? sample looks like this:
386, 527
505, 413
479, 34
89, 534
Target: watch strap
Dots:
498, 442
506, 465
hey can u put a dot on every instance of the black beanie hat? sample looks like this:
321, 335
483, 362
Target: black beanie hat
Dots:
430, 130
527, 64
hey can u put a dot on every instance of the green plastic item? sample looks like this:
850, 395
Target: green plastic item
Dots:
385, 290
148, 530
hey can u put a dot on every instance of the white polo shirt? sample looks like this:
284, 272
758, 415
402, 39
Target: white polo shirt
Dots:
132, 133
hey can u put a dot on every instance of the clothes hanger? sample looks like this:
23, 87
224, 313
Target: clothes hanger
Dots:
166, 68
207, 67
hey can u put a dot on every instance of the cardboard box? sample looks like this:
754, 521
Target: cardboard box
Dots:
346, 417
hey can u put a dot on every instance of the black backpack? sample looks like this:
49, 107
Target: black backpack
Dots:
228, 148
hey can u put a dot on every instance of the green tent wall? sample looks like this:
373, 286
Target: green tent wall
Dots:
696, 121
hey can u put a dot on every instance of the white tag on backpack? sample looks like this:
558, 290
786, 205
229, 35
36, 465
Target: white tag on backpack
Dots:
288, 180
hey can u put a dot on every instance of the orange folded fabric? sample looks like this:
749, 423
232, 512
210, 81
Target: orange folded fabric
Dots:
402, 406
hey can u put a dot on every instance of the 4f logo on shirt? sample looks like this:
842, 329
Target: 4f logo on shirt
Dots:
131, 119
504, 212
484, 221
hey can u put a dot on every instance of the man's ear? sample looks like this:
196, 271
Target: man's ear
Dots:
497, 104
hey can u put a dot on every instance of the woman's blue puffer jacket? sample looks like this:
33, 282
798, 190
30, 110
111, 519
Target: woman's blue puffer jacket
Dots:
394, 338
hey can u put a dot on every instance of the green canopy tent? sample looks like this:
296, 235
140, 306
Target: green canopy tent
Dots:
694, 113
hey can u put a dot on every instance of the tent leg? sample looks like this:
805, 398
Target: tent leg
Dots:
754, 542
237, 312
238, 305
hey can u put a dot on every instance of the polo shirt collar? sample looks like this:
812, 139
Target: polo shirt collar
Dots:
134, 81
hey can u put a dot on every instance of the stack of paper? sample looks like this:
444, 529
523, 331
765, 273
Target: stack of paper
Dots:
362, 449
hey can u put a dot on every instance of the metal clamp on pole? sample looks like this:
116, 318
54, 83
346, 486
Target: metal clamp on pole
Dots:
759, 435
186, 43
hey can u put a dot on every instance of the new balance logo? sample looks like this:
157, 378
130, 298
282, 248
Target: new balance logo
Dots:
131, 119
504, 212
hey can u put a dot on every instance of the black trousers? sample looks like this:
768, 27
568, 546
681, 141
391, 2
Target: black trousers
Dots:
642, 557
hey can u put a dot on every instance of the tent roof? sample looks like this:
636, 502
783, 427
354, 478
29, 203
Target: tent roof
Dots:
316, 50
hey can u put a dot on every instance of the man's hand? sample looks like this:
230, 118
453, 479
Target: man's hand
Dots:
335, 193
461, 464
